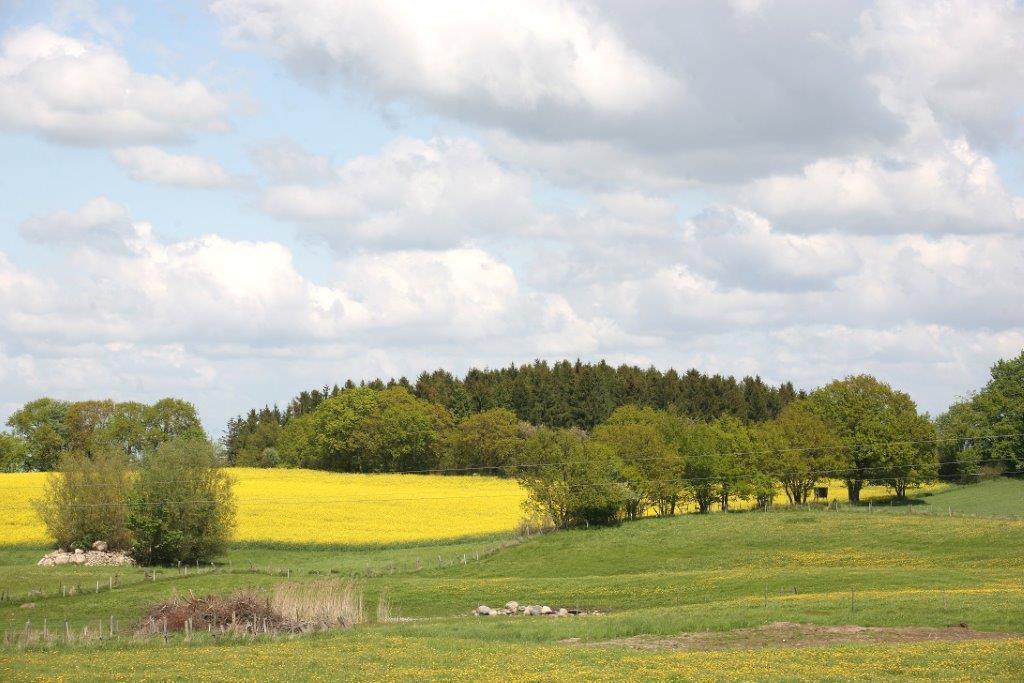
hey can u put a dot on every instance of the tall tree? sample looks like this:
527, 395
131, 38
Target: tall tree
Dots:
87, 423
482, 443
962, 442
871, 418
126, 429
13, 453
697, 447
642, 438
803, 450
43, 425
987, 430
369, 430
732, 449
172, 418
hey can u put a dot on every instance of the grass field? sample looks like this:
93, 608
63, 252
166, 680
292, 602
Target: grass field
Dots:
993, 497
658, 576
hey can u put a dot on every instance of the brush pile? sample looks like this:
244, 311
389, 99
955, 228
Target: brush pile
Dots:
290, 608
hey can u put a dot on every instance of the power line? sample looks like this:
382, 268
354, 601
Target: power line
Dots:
814, 474
719, 455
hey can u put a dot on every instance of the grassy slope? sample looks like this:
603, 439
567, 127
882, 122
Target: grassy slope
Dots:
994, 497
656, 576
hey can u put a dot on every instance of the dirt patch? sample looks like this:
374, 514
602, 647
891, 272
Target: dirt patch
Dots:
787, 634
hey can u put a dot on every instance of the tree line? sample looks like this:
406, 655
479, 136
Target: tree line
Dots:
45, 429
560, 395
639, 459
643, 460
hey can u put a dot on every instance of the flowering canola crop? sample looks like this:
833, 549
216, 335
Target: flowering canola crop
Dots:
312, 506
308, 506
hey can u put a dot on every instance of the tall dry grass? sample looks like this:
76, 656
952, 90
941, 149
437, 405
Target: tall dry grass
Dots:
318, 605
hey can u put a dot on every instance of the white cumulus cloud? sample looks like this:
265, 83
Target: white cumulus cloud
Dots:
415, 193
154, 165
84, 93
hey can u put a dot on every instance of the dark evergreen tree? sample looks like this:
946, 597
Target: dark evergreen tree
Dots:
562, 395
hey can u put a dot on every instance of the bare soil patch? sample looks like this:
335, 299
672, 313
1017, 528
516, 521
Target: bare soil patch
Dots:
788, 634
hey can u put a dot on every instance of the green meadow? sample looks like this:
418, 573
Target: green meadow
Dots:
656, 577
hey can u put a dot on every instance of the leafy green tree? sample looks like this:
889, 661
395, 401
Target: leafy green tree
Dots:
732, 451
86, 500
43, 425
697, 447
172, 418
1002, 404
181, 507
870, 417
370, 430
651, 465
570, 478
87, 423
962, 446
126, 429
803, 450
13, 453
412, 431
913, 459
485, 443
296, 445
766, 442
346, 432
986, 432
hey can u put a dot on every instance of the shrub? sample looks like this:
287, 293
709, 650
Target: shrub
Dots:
571, 479
269, 458
182, 507
86, 500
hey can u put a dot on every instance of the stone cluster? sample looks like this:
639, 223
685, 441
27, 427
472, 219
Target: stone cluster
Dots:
98, 556
512, 608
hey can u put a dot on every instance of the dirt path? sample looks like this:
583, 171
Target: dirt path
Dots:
788, 634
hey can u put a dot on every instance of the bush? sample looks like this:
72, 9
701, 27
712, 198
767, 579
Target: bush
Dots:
571, 479
86, 501
181, 508
269, 458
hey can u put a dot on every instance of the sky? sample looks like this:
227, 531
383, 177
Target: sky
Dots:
233, 201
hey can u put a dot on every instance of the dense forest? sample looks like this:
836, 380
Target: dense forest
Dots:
563, 395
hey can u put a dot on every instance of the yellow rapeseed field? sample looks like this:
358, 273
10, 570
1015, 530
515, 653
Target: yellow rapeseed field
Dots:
307, 506
310, 506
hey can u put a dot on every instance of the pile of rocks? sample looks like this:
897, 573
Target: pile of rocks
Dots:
97, 557
513, 608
